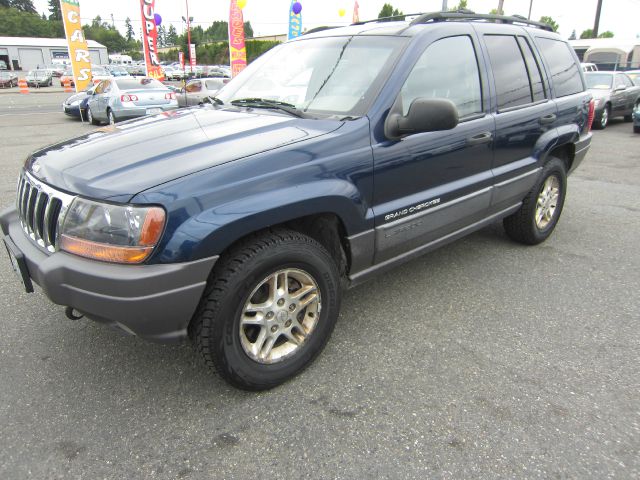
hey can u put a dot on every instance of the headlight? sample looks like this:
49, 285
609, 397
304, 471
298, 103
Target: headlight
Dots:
75, 103
110, 232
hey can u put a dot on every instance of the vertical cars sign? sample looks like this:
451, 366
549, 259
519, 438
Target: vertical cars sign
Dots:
150, 40
237, 49
78, 49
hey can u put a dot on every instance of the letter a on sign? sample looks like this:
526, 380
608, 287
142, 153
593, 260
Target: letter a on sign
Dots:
78, 49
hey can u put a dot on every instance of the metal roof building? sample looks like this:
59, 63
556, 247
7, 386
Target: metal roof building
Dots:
26, 53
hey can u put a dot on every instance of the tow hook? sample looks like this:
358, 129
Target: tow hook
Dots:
69, 312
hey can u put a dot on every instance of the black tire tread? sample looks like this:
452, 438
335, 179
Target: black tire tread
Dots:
230, 265
518, 225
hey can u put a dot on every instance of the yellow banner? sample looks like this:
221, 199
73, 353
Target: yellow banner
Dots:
78, 48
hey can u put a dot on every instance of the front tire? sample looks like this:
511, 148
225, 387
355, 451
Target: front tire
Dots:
90, 117
536, 219
111, 117
269, 309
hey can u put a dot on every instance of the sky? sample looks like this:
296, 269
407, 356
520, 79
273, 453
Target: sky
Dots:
270, 17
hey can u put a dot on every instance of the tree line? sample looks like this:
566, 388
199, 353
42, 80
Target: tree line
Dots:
389, 11
19, 18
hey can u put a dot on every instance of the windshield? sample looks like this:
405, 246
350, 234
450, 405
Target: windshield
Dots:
138, 83
336, 75
599, 81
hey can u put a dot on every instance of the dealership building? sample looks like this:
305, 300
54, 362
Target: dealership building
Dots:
26, 53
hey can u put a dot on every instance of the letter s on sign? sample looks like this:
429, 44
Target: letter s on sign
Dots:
84, 74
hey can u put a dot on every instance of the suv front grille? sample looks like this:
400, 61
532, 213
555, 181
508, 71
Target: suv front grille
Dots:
41, 209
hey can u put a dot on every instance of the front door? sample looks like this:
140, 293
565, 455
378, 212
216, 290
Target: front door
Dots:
428, 185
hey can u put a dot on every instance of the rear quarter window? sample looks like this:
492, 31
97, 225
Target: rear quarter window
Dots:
565, 72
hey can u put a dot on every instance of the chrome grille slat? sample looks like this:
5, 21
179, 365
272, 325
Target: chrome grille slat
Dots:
41, 209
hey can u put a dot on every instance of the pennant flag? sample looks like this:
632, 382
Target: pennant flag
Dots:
237, 48
295, 19
150, 39
356, 12
78, 48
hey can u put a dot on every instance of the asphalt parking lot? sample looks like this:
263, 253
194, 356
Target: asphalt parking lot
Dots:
484, 359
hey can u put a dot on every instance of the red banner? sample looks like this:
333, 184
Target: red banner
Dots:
192, 55
150, 39
237, 49
181, 59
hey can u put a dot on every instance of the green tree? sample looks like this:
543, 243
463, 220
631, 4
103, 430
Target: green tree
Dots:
54, 10
129, 28
107, 35
172, 35
551, 22
389, 11
588, 33
23, 6
461, 6
162, 36
607, 34
18, 23
5, 3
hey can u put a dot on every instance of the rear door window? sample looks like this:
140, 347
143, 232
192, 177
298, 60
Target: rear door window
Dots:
509, 71
565, 72
533, 68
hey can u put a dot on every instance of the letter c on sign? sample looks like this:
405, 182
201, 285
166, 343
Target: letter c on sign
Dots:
72, 16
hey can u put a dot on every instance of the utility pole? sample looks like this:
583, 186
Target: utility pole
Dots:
113, 22
596, 24
189, 36
530, 7
444, 6
500, 4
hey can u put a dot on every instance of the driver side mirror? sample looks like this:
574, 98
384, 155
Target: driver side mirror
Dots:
425, 115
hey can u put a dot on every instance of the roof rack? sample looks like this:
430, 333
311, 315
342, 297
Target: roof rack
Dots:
389, 19
469, 15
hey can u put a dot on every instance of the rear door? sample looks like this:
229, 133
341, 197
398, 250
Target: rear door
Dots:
428, 185
522, 108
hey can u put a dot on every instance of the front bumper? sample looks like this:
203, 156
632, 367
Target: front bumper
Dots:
71, 110
155, 302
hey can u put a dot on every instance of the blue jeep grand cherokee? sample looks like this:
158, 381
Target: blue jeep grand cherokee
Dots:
332, 158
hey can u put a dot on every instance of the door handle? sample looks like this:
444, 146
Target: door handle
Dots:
484, 137
548, 119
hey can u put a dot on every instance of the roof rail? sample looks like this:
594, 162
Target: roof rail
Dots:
389, 19
318, 29
469, 15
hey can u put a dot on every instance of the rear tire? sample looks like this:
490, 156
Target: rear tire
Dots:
269, 308
536, 219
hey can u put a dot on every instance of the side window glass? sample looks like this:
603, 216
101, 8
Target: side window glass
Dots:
626, 81
619, 81
100, 87
565, 72
448, 68
509, 71
106, 88
193, 87
535, 74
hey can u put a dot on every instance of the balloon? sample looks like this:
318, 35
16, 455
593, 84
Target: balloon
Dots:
342, 12
241, 4
297, 8
158, 19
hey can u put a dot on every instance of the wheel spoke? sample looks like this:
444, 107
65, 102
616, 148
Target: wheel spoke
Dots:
252, 320
268, 346
292, 338
257, 345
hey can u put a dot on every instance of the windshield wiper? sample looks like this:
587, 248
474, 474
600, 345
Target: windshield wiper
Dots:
265, 103
214, 100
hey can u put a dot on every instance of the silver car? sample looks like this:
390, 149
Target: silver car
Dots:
122, 98
197, 91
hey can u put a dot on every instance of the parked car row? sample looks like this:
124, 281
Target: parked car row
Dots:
615, 95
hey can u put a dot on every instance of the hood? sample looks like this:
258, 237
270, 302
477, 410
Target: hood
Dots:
77, 97
116, 162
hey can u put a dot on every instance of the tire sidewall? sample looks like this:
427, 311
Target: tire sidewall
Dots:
229, 349
554, 167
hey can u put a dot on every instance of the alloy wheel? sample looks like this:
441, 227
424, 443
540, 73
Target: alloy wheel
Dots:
547, 202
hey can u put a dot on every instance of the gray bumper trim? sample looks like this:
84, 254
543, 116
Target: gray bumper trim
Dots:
152, 301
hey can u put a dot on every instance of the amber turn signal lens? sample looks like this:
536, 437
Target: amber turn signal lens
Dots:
103, 251
152, 227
